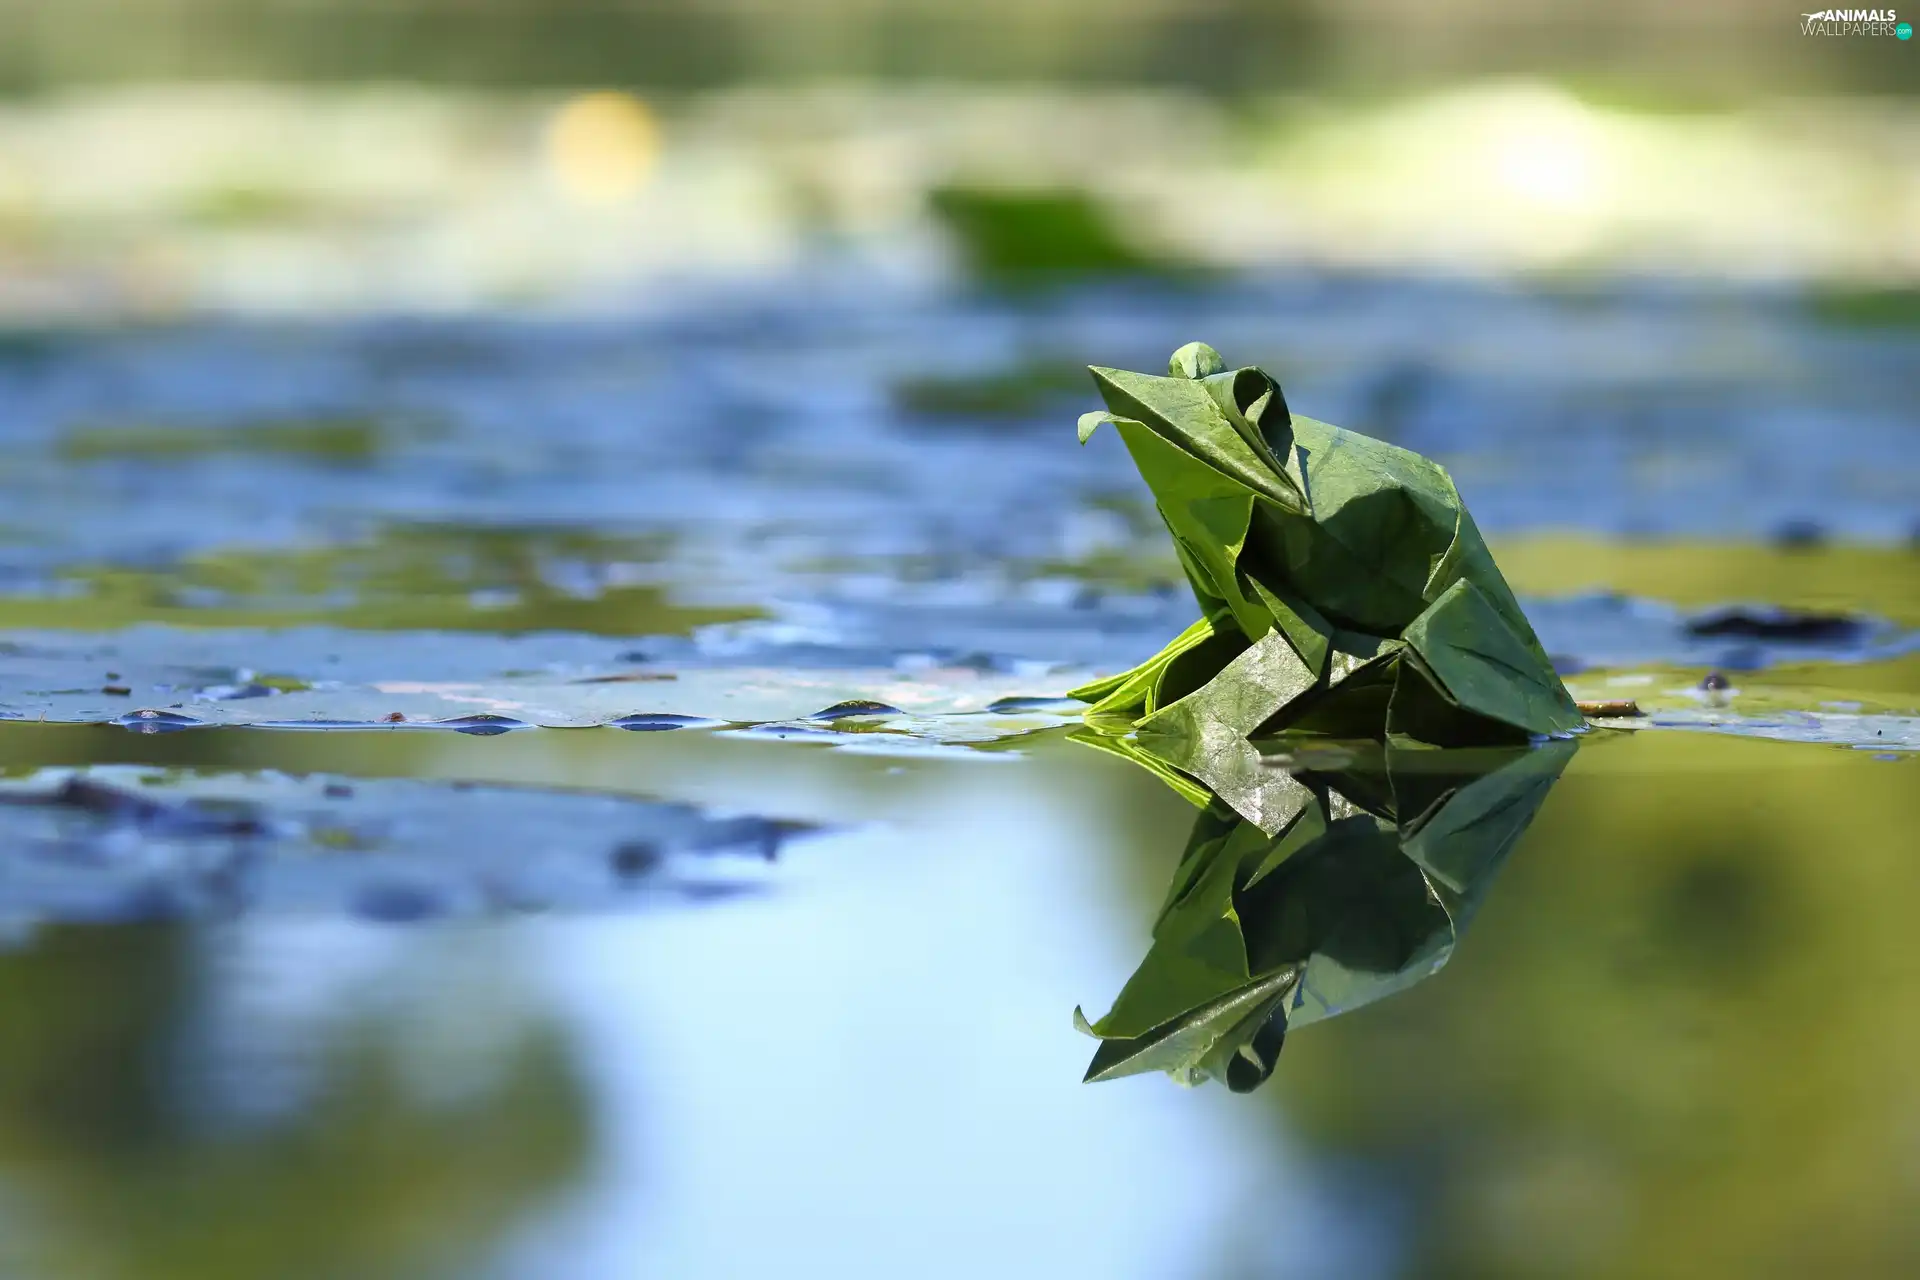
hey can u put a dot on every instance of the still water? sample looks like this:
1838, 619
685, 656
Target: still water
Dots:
1679, 987
598, 934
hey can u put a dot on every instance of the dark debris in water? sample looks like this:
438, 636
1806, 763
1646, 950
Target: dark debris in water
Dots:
787, 733
396, 903
855, 707
122, 843
1018, 705
482, 725
1608, 630
121, 807
1779, 626
1799, 535
662, 721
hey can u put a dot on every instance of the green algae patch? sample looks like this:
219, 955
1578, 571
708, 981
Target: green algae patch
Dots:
1016, 237
1021, 390
1891, 308
430, 577
1839, 578
342, 441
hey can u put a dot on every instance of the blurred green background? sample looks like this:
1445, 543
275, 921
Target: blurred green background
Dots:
1702, 51
332, 155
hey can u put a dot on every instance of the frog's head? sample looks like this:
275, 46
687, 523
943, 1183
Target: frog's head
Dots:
1248, 393
1234, 421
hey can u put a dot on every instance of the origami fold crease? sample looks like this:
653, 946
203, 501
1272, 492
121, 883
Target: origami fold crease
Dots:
1343, 587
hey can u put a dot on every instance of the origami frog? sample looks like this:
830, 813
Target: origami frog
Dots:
1343, 587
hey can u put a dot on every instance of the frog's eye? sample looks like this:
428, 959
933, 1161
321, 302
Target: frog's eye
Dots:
1195, 360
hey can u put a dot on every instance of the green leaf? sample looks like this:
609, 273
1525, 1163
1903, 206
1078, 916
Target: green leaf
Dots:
1245, 694
1299, 621
1131, 692
1207, 730
1092, 422
1207, 514
1380, 515
1252, 404
1184, 414
1348, 548
1486, 668
1420, 710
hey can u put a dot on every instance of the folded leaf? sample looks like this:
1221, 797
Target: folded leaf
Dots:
1486, 668
1184, 413
1347, 547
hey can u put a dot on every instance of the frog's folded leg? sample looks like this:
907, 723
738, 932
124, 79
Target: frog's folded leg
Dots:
1465, 662
1187, 661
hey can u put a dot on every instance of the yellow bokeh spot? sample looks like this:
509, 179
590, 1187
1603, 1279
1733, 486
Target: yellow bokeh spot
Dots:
600, 147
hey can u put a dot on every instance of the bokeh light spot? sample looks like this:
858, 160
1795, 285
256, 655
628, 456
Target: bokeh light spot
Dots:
601, 147
1547, 156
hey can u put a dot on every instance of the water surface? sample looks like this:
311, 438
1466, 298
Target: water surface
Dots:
680, 866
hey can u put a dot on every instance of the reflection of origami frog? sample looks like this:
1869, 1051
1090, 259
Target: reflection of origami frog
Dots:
1355, 883
1343, 586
